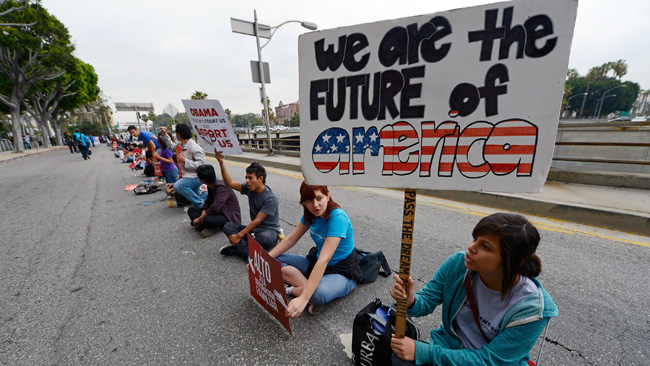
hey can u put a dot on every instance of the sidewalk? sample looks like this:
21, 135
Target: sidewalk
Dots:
9, 156
623, 209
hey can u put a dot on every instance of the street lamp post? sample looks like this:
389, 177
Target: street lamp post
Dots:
568, 100
239, 26
600, 107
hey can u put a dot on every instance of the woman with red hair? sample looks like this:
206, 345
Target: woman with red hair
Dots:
331, 268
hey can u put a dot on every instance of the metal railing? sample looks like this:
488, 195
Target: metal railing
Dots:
595, 144
287, 142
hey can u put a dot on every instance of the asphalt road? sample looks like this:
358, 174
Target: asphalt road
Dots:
94, 275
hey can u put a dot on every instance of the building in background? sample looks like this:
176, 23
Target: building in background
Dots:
285, 111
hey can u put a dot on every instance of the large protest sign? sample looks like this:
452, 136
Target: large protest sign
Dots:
266, 284
466, 99
213, 130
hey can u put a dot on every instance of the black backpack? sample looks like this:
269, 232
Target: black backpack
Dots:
145, 188
371, 265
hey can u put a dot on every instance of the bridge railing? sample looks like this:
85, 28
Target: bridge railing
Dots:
603, 146
580, 146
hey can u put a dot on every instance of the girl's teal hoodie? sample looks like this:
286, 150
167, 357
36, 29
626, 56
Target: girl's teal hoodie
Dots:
518, 331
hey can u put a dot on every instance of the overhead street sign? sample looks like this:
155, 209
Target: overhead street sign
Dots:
248, 28
135, 107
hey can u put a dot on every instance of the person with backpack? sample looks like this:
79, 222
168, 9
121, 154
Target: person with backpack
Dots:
494, 309
81, 140
331, 269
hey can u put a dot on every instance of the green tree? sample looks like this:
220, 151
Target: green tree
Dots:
29, 55
83, 93
19, 6
198, 95
44, 99
294, 121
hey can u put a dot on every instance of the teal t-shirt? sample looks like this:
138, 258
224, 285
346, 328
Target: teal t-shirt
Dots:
338, 225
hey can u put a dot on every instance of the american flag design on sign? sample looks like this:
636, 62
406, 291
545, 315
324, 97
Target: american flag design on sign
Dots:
332, 148
363, 141
399, 139
471, 142
512, 145
483, 147
444, 136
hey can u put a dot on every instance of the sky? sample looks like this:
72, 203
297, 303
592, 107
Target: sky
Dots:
162, 51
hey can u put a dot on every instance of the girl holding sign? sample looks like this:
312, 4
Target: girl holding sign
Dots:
493, 307
331, 268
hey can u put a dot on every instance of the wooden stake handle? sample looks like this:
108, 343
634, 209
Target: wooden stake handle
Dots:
408, 223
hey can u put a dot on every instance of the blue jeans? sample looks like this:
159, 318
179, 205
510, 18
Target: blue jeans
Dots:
267, 238
171, 176
189, 188
331, 286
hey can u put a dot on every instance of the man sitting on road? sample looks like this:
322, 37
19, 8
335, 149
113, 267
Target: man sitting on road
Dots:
146, 137
191, 157
263, 209
219, 208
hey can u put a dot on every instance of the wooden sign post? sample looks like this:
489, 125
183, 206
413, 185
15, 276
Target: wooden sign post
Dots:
408, 223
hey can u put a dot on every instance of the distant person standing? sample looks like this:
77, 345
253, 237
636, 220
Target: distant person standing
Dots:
80, 139
27, 142
146, 137
67, 139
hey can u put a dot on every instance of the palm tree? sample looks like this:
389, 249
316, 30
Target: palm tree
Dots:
572, 74
198, 95
619, 68
594, 74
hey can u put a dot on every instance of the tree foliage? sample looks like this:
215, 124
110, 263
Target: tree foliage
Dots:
605, 93
29, 55
198, 95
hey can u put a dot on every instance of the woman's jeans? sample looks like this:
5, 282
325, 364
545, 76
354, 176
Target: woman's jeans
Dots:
171, 176
189, 188
331, 286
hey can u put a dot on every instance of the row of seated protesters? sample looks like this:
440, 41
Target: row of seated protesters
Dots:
493, 279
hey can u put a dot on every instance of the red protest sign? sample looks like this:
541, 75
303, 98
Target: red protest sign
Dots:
266, 284
156, 168
134, 164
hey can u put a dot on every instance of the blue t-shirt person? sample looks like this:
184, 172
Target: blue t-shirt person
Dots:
146, 137
339, 226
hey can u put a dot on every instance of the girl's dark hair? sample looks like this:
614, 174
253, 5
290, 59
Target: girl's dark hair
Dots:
184, 131
518, 240
308, 193
161, 141
206, 173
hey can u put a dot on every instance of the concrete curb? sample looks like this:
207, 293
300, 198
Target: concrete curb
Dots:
637, 224
624, 180
12, 158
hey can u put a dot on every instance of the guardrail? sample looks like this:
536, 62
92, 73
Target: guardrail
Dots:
580, 146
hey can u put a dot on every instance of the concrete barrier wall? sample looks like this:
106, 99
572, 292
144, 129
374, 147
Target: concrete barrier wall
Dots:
621, 134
